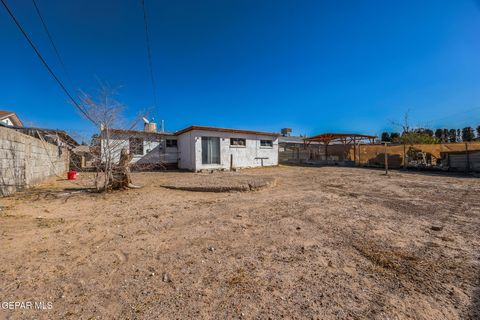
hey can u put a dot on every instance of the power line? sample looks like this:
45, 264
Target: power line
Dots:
46, 64
57, 53
149, 53
468, 111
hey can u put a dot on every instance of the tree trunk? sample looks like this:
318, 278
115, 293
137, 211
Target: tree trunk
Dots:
121, 177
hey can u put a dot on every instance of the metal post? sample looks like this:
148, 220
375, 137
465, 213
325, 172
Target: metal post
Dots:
386, 160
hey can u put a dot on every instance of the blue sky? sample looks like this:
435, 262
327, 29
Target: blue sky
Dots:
315, 66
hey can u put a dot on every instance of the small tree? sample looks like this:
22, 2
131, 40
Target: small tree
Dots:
386, 137
478, 132
452, 135
414, 137
445, 136
428, 132
468, 134
395, 137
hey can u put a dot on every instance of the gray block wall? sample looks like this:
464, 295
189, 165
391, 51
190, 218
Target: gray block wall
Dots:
26, 161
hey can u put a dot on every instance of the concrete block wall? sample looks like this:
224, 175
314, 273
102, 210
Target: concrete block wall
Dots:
26, 161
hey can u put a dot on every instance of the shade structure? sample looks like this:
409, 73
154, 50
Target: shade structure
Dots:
344, 138
340, 137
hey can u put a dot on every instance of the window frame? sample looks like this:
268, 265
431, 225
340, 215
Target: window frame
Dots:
269, 146
134, 145
205, 159
171, 140
238, 145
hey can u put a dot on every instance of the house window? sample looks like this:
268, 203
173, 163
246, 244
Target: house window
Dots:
171, 143
266, 143
136, 146
238, 142
210, 150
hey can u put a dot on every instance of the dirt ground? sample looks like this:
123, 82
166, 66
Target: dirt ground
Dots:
321, 243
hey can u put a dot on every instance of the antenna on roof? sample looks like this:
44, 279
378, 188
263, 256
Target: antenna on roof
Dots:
145, 120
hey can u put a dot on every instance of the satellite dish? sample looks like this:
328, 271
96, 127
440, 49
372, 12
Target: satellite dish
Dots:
145, 120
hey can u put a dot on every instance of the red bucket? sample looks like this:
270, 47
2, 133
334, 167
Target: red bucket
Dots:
72, 175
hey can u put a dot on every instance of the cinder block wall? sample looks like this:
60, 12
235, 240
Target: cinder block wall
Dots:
26, 161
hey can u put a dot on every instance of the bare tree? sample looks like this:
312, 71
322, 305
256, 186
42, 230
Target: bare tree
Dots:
105, 113
405, 124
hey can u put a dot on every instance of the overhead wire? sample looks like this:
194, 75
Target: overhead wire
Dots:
45, 64
49, 35
149, 54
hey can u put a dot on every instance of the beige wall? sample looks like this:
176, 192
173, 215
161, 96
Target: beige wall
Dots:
368, 154
26, 161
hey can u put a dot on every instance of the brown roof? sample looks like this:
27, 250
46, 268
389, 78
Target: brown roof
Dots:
16, 120
125, 131
4, 113
328, 137
225, 130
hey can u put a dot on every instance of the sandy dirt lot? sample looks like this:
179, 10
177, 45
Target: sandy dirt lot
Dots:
320, 243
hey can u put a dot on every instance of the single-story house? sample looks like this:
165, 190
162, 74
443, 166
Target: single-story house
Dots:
205, 148
149, 149
194, 148
10, 118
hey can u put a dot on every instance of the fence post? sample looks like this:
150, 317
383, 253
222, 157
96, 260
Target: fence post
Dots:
467, 164
359, 155
386, 160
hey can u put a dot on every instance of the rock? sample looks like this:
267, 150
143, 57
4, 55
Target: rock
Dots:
166, 277
211, 248
436, 227
298, 228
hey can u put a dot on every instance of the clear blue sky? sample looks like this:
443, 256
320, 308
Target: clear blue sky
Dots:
314, 66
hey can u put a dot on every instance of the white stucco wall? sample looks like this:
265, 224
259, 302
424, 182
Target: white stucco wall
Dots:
154, 148
186, 154
190, 148
7, 121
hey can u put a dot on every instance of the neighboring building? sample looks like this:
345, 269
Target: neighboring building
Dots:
54, 136
205, 148
148, 148
10, 118
195, 148
294, 149
461, 160
82, 158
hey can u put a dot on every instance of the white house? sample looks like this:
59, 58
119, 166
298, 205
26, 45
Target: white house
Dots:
148, 148
203, 148
10, 118
194, 148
